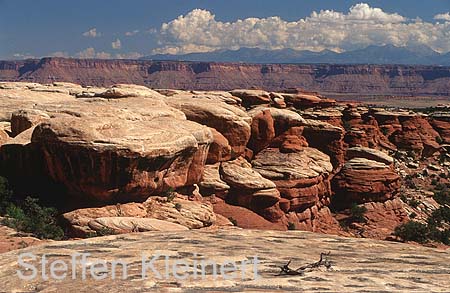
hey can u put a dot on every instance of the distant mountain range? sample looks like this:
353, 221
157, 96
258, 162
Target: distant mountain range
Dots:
389, 54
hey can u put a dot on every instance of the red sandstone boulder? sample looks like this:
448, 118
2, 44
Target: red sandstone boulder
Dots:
252, 97
326, 138
413, 131
232, 122
262, 131
361, 180
250, 189
371, 154
156, 213
441, 122
303, 100
219, 150
301, 177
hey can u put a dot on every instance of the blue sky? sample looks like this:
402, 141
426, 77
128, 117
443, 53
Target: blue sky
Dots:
115, 29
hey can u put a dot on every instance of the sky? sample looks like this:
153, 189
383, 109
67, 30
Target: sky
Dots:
135, 28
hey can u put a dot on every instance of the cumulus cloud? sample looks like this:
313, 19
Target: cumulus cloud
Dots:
92, 33
443, 16
59, 54
361, 26
23, 56
90, 53
117, 44
131, 33
131, 55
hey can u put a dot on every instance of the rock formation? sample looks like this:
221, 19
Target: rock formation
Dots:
128, 158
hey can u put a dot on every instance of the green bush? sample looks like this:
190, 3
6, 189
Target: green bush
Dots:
27, 215
30, 217
414, 203
357, 213
5, 196
412, 231
291, 226
178, 206
442, 196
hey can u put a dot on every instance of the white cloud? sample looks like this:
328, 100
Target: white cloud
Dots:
23, 56
90, 53
361, 26
131, 33
116, 44
59, 54
92, 33
443, 16
131, 55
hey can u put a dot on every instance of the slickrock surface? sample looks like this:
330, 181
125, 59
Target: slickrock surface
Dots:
357, 265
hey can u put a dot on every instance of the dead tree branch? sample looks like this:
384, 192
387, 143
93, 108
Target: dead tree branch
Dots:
323, 261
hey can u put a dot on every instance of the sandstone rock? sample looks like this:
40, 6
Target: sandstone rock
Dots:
278, 100
188, 213
383, 218
129, 159
303, 100
416, 135
245, 218
332, 116
326, 138
441, 122
212, 183
262, 131
252, 97
24, 119
219, 150
411, 132
232, 122
371, 154
5, 129
362, 180
300, 177
180, 210
220, 96
130, 224
239, 174
375, 265
290, 141
249, 188
129, 90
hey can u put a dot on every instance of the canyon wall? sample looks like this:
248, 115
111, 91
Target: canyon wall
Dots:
352, 80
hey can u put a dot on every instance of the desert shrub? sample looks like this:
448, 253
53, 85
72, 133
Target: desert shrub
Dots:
443, 175
178, 206
5, 196
105, 231
413, 215
291, 226
439, 140
439, 217
27, 215
404, 198
414, 203
347, 125
412, 231
357, 213
169, 194
434, 181
30, 217
442, 196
